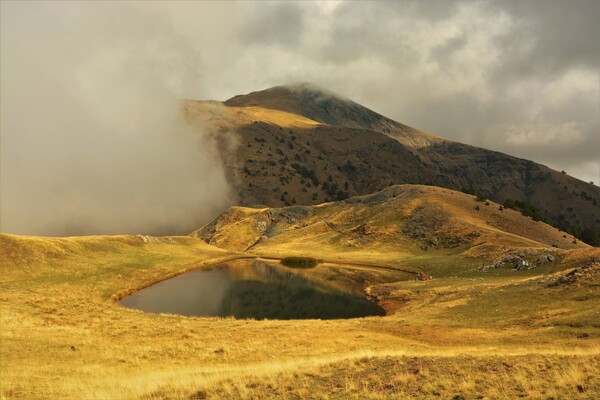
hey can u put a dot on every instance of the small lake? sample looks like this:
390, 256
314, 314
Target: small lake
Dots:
252, 289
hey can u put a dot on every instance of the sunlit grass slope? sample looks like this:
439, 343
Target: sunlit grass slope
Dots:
498, 334
236, 116
398, 223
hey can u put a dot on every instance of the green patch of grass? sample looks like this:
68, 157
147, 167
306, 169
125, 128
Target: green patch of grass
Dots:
300, 262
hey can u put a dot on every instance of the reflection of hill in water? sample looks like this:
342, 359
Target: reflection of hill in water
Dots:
256, 270
266, 272
252, 289
265, 291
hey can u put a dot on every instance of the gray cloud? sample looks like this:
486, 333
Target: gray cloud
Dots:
93, 136
548, 37
281, 24
518, 77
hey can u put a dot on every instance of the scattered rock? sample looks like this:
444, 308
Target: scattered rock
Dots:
154, 239
434, 241
487, 267
362, 230
148, 239
524, 265
545, 259
514, 258
260, 226
577, 275
522, 259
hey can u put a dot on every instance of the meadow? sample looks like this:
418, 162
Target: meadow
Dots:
465, 334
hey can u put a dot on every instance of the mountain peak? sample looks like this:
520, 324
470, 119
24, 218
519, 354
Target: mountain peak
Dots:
299, 91
326, 107
309, 91
316, 103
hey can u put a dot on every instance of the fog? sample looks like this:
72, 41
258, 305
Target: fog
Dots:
93, 136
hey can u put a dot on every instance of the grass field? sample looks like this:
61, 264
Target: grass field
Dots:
465, 334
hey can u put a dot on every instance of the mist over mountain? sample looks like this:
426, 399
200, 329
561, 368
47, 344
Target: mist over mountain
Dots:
94, 140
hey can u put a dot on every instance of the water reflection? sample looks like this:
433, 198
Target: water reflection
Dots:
251, 289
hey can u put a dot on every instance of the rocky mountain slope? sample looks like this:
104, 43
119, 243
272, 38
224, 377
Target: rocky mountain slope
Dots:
303, 145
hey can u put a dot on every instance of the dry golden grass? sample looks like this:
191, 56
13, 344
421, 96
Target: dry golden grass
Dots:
394, 376
396, 225
499, 334
235, 116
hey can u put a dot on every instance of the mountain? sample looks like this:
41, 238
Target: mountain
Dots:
299, 144
327, 108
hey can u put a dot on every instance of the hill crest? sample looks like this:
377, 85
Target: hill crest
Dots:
416, 218
326, 107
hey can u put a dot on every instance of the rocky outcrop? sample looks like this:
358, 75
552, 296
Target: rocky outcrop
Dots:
578, 275
522, 259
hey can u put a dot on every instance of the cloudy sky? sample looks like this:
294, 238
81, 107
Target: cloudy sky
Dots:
521, 77
84, 83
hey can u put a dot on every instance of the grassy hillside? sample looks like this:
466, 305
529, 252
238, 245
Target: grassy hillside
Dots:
413, 221
498, 333
303, 145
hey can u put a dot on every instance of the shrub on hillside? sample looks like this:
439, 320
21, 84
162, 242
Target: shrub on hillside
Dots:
300, 262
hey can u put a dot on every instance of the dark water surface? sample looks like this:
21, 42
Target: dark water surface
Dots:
251, 289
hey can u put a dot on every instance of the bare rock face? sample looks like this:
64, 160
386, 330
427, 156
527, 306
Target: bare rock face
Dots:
545, 259
524, 265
